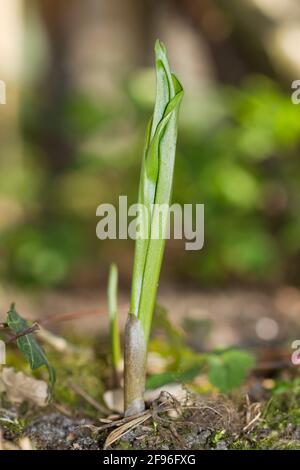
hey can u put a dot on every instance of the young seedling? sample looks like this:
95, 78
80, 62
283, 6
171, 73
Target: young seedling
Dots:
22, 333
155, 191
112, 292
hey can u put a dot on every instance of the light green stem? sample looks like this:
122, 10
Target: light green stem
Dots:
112, 295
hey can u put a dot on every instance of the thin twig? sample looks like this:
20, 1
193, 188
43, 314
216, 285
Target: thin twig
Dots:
32, 329
252, 421
67, 316
281, 364
77, 389
117, 423
125, 428
199, 408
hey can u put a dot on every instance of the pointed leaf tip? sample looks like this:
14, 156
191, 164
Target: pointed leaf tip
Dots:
160, 48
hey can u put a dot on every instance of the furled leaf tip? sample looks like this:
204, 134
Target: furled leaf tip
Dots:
160, 48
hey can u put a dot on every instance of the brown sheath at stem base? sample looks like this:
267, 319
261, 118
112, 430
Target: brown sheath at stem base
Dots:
134, 367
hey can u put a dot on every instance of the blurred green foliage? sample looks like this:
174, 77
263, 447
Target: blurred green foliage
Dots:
226, 369
237, 154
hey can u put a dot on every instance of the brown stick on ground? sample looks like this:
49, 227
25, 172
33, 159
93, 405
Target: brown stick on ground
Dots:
32, 329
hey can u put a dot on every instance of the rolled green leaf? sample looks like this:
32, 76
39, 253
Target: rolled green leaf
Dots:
156, 183
155, 192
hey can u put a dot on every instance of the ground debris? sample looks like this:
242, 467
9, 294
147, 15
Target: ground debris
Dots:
20, 387
170, 424
56, 431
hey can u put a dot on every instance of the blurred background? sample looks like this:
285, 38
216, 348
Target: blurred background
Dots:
80, 89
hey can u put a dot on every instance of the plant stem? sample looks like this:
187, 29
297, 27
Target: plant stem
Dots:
134, 367
113, 317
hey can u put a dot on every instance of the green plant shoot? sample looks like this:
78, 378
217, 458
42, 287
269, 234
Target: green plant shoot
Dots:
155, 192
112, 292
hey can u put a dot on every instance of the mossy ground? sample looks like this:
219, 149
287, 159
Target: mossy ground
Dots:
61, 425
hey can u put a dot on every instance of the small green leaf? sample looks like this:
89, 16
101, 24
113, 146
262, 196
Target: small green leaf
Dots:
28, 345
229, 369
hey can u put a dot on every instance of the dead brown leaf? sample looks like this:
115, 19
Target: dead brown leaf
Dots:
19, 387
